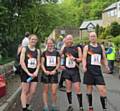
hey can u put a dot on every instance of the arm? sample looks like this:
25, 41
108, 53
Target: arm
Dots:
79, 59
109, 51
104, 60
38, 63
22, 61
58, 64
85, 51
43, 67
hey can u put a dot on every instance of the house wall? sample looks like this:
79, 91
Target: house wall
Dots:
109, 17
68, 30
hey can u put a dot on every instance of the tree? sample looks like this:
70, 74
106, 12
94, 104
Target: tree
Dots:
115, 29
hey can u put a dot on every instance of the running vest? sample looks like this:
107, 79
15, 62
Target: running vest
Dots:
68, 52
50, 59
111, 56
31, 59
94, 55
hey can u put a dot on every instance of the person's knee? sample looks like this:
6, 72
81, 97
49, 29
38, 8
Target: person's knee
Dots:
102, 91
77, 89
89, 89
54, 93
25, 91
32, 92
45, 90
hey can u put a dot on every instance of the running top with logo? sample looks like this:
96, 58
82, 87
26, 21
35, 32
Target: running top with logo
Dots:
50, 59
31, 59
94, 55
68, 53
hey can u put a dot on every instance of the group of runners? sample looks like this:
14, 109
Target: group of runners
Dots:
49, 62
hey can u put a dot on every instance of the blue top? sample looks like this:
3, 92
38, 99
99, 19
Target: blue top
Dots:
109, 51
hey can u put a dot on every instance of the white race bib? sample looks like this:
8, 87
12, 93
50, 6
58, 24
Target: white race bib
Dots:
51, 61
70, 63
95, 59
32, 63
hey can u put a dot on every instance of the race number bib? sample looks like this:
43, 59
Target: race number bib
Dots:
51, 61
95, 59
70, 63
32, 63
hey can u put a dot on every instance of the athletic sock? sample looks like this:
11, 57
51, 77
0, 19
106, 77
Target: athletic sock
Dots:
24, 109
104, 102
69, 96
27, 105
79, 96
89, 96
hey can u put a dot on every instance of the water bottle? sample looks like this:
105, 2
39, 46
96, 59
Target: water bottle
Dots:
29, 79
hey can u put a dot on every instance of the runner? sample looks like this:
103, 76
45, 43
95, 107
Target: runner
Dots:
50, 63
93, 55
73, 56
30, 63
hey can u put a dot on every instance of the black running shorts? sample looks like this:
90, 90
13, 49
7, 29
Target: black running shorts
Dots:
93, 76
49, 79
72, 75
25, 76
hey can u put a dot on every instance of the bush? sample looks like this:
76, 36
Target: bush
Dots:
105, 33
115, 29
116, 40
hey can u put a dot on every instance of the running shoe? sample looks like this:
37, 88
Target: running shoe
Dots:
81, 109
45, 109
90, 109
30, 108
54, 108
70, 108
105, 109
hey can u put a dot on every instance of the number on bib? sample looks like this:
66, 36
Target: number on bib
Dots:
70, 63
96, 59
51, 61
32, 63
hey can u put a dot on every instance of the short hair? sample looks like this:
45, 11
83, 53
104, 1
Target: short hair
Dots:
31, 35
93, 33
51, 40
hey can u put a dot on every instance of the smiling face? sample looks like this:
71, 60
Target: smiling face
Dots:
50, 44
92, 37
33, 40
69, 40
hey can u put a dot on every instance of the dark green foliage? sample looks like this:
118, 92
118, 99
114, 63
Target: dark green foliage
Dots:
19, 16
115, 29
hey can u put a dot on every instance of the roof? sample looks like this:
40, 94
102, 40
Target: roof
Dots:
85, 24
113, 6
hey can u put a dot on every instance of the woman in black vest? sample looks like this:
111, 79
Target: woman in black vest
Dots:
30, 63
50, 62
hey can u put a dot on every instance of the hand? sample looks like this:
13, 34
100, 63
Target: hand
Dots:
84, 69
72, 58
62, 67
35, 74
47, 72
30, 74
52, 72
